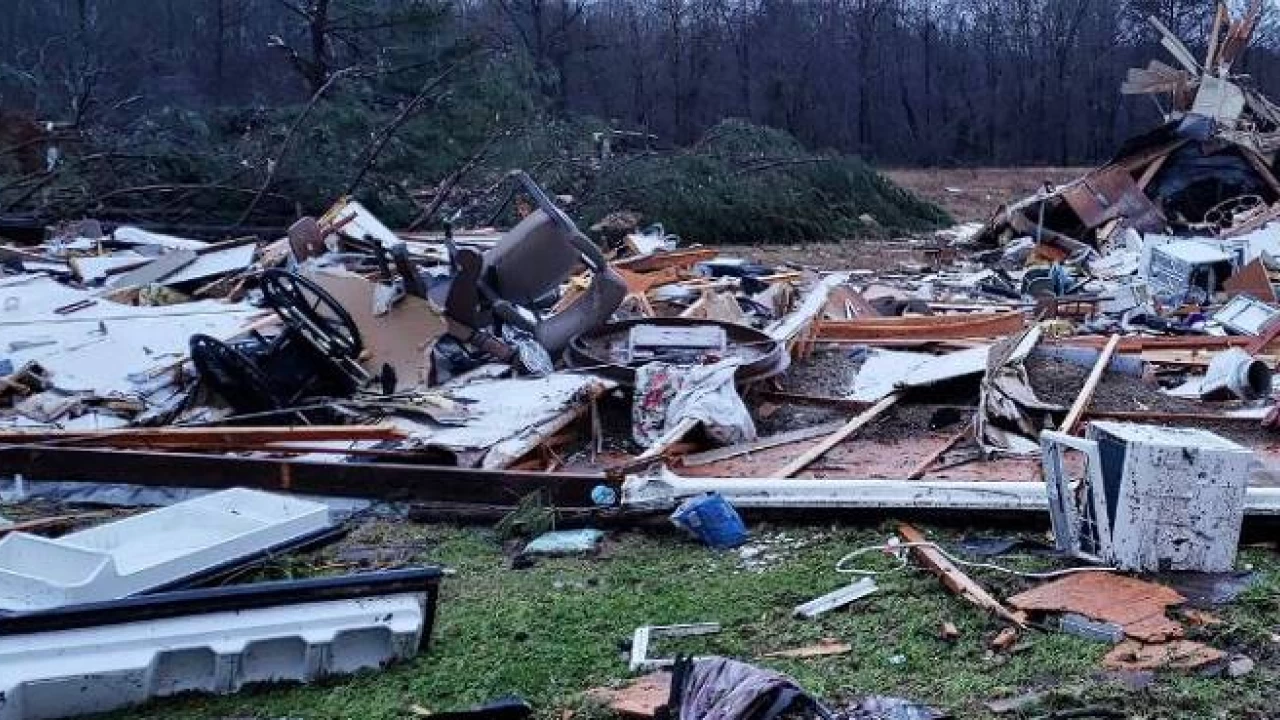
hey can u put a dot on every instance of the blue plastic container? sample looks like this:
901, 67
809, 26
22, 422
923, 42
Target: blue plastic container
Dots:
712, 520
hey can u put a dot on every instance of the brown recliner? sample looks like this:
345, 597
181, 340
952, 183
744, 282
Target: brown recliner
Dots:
516, 281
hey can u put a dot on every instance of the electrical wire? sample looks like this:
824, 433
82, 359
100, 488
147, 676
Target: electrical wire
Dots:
841, 564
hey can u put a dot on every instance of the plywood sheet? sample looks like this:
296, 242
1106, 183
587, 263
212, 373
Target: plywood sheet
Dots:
1136, 605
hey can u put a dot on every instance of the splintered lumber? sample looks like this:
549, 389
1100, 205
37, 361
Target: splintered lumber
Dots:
952, 577
1175, 46
663, 260
933, 327
664, 443
202, 436
55, 522
934, 456
507, 452
1220, 16
1134, 344
844, 433
824, 648
764, 443
1090, 385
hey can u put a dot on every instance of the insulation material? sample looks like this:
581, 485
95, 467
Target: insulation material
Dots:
214, 264
105, 348
502, 412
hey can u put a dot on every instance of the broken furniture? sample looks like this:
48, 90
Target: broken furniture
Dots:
316, 354
645, 634
498, 301
1150, 498
1187, 270
87, 659
157, 549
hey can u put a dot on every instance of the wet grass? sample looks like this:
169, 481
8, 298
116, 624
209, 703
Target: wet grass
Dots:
554, 630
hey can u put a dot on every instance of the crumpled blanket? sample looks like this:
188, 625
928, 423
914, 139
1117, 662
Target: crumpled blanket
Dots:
666, 394
724, 689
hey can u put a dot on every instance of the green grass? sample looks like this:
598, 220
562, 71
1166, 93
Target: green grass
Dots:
550, 632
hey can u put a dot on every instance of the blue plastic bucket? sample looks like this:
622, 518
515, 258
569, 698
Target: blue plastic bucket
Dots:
712, 520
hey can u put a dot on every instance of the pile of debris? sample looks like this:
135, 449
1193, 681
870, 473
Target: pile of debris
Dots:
1115, 337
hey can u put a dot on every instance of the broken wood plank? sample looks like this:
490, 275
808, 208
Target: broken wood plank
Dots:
640, 699
1090, 386
1150, 173
54, 522
1135, 605
934, 456
934, 327
1175, 46
1155, 416
662, 444
1135, 344
1178, 654
507, 452
663, 260
844, 433
725, 453
953, 578
1220, 16
822, 649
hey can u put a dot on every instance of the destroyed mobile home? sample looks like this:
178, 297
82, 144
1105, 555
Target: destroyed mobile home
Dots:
1099, 355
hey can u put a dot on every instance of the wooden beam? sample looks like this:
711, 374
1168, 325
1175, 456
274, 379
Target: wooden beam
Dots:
662, 444
1150, 173
764, 443
1090, 386
1137, 343
372, 480
204, 436
1220, 16
953, 578
1150, 416
844, 433
953, 327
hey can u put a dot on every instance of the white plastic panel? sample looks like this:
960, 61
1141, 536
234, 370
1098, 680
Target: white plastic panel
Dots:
66, 673
150, 550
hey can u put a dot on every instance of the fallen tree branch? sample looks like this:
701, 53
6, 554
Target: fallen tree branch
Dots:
384, 136
442, 193
273, 166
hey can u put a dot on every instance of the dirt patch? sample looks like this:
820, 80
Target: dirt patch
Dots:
1060, 381
973, 194
824, 374
902, 422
